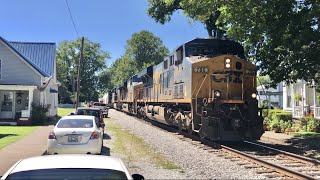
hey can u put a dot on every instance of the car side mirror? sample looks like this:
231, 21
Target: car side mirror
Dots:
72, 113
137, 177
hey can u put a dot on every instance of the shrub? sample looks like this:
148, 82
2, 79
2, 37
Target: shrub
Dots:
39, 114
309, 124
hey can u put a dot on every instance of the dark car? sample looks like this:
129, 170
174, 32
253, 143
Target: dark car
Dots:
91, 112
103, 107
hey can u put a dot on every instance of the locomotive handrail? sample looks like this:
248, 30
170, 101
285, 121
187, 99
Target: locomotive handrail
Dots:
199, 91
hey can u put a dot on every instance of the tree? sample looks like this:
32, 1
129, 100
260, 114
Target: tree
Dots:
145, 49
205, 11
263, 80
142, 50
282, 37
94, 61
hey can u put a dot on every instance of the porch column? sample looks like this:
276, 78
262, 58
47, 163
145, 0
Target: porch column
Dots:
30, 101
314, 101
285, 96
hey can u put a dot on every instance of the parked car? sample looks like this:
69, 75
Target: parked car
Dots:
75, 167
90, 111
76, 135
103, 107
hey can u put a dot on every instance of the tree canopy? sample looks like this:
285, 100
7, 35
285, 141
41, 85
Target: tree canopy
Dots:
94, 61
281, 37
142, 50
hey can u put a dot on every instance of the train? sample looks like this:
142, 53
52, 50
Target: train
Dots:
205, 86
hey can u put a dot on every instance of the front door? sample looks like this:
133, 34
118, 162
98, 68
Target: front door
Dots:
6, 106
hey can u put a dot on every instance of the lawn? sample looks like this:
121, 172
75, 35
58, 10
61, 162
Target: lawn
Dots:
306, 134
10, 134
65, 111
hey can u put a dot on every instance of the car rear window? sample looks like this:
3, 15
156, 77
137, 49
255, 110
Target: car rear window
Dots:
88, 112
68, 173
99, 104
75, 123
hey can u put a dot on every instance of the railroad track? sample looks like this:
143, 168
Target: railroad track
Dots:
271, 162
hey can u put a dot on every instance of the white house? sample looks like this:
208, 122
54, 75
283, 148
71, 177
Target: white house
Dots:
301, 99
27, 76
271, 95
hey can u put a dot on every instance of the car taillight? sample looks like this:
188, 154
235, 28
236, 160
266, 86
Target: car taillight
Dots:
94, 135
52, 135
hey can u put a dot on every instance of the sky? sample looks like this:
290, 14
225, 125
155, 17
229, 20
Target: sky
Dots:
108, 22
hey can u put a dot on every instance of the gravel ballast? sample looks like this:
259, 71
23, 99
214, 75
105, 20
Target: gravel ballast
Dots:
195, 162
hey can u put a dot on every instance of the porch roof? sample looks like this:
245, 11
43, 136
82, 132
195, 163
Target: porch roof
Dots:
16, 87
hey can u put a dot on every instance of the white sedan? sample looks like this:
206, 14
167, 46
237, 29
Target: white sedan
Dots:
71, 167
76, 135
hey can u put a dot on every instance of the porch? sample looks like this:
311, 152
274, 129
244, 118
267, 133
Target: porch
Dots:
308, 111
15, 104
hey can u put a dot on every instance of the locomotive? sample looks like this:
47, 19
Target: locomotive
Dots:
205, 86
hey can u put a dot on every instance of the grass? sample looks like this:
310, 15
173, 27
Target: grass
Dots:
65, 111
134, 148
306, 134
11, 134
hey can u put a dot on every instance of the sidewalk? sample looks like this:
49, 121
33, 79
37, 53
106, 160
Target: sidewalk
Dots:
34, 144
276, 137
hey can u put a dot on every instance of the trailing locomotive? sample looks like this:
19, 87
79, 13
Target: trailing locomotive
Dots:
205, 86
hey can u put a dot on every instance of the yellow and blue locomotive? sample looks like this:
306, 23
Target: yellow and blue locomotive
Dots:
205, 86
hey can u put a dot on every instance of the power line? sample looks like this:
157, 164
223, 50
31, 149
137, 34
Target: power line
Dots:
75, 28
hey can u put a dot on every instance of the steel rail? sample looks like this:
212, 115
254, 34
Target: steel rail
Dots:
277, 168
293, 156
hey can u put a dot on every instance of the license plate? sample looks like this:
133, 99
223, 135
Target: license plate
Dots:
73, 139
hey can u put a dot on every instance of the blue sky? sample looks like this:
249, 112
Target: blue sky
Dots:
109, 22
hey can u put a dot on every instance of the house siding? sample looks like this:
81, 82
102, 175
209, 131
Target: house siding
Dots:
15, 70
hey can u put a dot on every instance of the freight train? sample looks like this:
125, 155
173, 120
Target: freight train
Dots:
205, 86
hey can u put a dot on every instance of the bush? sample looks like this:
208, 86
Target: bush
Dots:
309, 124
39, 114
276, 118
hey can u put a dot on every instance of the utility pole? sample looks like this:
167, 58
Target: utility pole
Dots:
79, 72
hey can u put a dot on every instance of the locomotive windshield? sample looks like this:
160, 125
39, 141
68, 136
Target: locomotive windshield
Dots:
213, 47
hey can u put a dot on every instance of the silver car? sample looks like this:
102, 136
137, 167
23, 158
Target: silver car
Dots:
71, 167
76, 135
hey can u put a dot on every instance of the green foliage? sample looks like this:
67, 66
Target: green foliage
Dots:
282, 37
318, 98
310, 124
142, 50
278, 120
39, 114
263, 80
94, 61
205, 11
297, 97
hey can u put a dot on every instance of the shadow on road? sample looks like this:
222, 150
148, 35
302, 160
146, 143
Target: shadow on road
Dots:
106, 136
105, 151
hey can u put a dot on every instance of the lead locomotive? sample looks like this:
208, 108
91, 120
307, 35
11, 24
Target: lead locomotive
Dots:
205, 86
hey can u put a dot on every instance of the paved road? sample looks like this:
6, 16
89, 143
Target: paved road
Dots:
34, 144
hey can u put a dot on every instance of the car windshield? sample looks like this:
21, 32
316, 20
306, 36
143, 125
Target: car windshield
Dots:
88, 112
75, 123
68, 174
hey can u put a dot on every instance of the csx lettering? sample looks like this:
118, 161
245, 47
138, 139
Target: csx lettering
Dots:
227, 78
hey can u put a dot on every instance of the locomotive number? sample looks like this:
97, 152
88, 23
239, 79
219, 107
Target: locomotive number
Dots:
227, 76
200, 70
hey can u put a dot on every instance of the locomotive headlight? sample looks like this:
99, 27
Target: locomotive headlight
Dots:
216, 93
254, 95
228, 61
228, 65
